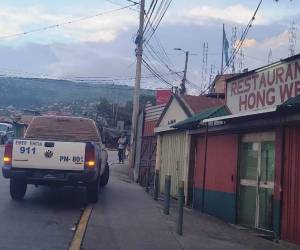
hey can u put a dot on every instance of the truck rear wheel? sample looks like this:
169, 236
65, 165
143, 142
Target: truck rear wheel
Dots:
17, 189
105, 176
92, 191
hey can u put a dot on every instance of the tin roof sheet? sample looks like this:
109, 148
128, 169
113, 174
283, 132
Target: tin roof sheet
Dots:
194, 121
200, 103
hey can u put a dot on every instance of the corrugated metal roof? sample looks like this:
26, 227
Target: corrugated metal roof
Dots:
153, 112
227, 117
200, 103
292, 102
191, 105
194, 121
149, 128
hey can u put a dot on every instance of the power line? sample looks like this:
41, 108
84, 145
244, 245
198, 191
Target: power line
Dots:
157, 75
55, 26
151, 9
112, 2
154, 55
111, 78
156, 39
239, 45
242, 39
159, 16
161, 53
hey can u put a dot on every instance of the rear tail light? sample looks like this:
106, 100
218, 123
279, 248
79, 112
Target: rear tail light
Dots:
7, 159
90, 156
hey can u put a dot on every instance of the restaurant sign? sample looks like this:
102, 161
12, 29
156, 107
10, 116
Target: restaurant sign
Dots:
265, 88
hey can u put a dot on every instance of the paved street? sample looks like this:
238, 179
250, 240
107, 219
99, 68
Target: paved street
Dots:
44, 220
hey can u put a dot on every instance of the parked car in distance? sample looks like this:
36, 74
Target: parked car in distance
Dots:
57, 151
6, 132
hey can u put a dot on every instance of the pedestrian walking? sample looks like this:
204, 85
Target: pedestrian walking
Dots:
121, 148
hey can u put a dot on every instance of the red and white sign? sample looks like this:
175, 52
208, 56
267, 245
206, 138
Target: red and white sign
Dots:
265, 88
163, 96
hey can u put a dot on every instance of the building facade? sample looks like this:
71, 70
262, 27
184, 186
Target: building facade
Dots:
173, 148
245, 164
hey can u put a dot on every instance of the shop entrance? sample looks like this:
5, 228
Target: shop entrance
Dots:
257, 168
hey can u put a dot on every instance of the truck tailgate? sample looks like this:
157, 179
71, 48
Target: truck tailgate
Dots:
54, 155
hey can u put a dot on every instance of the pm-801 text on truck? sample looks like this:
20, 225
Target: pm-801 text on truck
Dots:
57, 151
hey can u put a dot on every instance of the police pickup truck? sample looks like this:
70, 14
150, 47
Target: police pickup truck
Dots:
57, 151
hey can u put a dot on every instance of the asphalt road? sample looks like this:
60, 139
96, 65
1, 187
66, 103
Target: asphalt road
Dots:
45, 219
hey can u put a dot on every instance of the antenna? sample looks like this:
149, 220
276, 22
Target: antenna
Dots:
204, 63
211, 77
241, 59
292, 38
233, 44
270, 56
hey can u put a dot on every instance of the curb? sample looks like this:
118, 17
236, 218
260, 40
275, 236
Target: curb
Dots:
81, 228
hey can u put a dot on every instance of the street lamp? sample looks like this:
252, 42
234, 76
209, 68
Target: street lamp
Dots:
180, 49
182, 85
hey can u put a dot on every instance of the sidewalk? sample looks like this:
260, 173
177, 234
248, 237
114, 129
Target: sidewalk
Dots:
127, 218
202, 231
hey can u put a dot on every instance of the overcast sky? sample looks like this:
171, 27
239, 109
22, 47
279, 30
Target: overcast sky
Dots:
103, 46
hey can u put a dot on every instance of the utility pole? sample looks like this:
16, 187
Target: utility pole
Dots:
182, 85
136, 98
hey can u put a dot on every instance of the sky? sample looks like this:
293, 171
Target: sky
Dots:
103, 46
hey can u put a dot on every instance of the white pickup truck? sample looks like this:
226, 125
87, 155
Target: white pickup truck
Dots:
57, 151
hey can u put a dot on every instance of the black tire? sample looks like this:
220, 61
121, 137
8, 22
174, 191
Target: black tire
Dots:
92, 191
17, 189
105, 176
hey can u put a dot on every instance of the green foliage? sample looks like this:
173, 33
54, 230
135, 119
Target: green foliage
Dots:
104, 108
32, 92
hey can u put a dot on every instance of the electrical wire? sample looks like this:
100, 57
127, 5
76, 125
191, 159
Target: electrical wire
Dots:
111, 78
156, 25
155, 73
54, 26
242, 39
118, 4
151, 9
149, 49
239, 45
158, 42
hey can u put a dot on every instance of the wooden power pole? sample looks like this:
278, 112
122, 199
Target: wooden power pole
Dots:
136, 98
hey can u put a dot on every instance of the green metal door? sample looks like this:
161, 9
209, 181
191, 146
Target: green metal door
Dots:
257, 168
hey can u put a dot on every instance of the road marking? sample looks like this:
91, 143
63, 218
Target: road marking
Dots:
81, 228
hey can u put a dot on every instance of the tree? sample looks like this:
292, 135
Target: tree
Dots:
147, 98
103, 109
